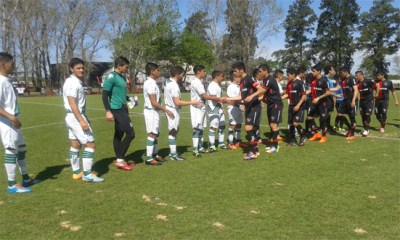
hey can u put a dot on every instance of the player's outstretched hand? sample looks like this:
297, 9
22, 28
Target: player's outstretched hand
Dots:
196, 103
248, 99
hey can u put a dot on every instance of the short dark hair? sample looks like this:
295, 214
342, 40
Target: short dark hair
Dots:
360, 72
176, 70
290, 71
5, 57
240, 66
345, 69
197, 68
301, 69
75, 61
265, 67
380, 72
277, 73
150, 67
121, 61
216, 73
317, 67
327, 68
255, 72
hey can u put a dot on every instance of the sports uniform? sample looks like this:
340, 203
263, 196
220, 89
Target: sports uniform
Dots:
172, 91
345, 107
235, 114
274, 100
366, 89
295, 90
216, 115
197, 114
382, 101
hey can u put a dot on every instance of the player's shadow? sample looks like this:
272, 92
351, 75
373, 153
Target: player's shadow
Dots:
393, 124
51, 172
136, 156
101, 166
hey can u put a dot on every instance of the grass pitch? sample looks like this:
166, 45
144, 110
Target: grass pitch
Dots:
337, 190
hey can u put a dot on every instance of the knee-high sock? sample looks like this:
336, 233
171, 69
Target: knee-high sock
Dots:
149, 148
22, 163
87, 160
195, 139
172, 144
10, 163
221, 136
211, 137
230, 136
353, 124
74, 159
274, 137
155, 148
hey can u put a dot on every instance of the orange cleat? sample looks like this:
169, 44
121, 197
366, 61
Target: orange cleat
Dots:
316, 136
323, 139
350, 138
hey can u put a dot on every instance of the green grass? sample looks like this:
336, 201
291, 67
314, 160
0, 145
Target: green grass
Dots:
320, 191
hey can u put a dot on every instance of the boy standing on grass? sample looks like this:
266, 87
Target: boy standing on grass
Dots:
79, 130
173, 102
235, 113
10, 130
151, 112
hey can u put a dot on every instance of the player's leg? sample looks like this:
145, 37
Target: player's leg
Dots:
123, 126
221, 131
323, 116
152, 128
214, 122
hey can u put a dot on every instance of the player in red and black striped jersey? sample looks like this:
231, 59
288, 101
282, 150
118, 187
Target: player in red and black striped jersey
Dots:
272, 97
366, 90
296, 94
250, 90
349, 104
383, 86
321, 103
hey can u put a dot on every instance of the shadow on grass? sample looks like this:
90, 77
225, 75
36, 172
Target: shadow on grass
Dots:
393, 124
51, 172
101, 166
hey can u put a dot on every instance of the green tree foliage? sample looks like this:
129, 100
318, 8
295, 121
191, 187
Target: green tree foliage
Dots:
194, 50
299, 23
334, 42
240, 43
379, 35
197, 24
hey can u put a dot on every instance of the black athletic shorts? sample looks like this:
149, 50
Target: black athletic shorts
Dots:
345, 108
122, 120
274, 112
366, 106
295, 116
331, 105
252, 115
381, 106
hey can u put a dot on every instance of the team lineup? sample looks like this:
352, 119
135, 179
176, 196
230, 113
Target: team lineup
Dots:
310, 97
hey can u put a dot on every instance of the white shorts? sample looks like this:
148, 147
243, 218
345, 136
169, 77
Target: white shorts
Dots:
198, 117
217, 120
75, 131
173, 123
235, 115
11, 137
152, 120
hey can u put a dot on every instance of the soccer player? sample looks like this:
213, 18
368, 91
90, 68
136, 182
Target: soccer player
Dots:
349, 104
114, 100
321, 103
383, 86
173, 102
10, 130
215, 112
79, 130
198, 112
366, 89
329, 72
272, 97
235, 113
250, 91
296, 94
151, 112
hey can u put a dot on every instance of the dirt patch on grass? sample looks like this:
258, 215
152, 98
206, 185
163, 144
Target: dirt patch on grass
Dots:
65, 224
62, 212
218, 225
360, 231
161, 218
118, 235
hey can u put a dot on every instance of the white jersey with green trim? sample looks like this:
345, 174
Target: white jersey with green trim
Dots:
8, 98
150, 87
171, 91
73, 88
214, 89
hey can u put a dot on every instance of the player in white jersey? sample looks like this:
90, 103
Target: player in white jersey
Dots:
215, 112
151, 112
10, 130
235, 113
198, 113
79, 130
173, 102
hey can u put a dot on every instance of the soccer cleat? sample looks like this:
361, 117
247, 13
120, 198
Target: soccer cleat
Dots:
323, 139
123, 165
18, 189
365, 133
92, 178
77, 176
350, 138
29, 182
303, 140
177, 158
316, 136
232, 147
197, 154
257, 153
291, 144
381, 130
158, 158
348, 133
273, 150
203, 150
222, 146
280, 138
153, 162
249, 156
212, 149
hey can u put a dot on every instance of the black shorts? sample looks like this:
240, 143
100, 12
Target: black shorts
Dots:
366, 106
345, 108
337, 105
331, 105
122, 120
274, 112
321, 109
295, 116
252, 115
381, 106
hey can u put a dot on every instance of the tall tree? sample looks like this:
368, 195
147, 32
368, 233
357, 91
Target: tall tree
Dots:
334, 42
299, 24
380, 35
198, 24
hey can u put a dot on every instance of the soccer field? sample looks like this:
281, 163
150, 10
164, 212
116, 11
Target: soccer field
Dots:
336, 190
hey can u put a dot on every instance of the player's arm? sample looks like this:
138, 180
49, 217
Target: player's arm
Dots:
260, 91
106, 102
396, 102
179, 102
14, 120
355, 95
377, 89
326, 94
77, 114
158, 106
210, 97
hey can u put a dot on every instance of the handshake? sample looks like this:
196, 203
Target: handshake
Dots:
133, 102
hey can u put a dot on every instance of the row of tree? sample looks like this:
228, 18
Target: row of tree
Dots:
217, 33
